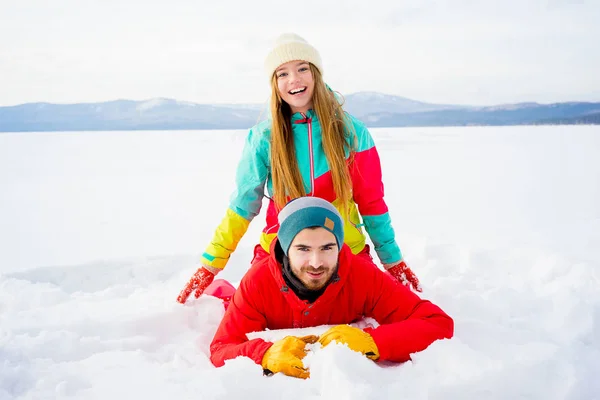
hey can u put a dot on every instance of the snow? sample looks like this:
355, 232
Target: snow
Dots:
100, 230
150, 104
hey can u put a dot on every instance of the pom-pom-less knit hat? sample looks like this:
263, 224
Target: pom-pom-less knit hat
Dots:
291, 47
308, 212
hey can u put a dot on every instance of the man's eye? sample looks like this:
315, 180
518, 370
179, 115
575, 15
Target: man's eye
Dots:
327, 248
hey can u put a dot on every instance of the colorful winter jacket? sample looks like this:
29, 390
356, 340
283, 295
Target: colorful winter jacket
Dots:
254, 173
262, 301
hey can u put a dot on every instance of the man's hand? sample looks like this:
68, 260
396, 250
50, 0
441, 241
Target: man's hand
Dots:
198, 282
286, 356
355, 338
404, 275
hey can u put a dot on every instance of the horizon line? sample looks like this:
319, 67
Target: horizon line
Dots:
265, 102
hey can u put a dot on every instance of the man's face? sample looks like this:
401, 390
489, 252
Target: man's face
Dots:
313, 257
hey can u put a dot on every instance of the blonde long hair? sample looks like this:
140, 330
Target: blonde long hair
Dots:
338, 138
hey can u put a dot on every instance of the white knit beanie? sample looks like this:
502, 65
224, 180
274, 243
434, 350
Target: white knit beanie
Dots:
291, 47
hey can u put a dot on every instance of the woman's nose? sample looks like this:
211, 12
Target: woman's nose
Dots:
293, 77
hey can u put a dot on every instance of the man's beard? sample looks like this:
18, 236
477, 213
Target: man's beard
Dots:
326, 273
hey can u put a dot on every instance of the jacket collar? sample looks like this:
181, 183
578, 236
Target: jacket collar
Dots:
309, 114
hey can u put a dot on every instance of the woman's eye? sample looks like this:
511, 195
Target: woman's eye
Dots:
282, 74
303, 69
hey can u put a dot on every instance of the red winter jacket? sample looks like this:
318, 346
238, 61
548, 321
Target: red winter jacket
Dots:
263, 301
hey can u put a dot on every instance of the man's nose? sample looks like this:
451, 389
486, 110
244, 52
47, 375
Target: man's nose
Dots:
316, 260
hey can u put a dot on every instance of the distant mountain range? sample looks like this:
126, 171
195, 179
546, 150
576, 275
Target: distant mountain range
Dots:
375, 109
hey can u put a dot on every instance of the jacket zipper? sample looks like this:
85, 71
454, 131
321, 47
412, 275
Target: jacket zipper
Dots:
310, 154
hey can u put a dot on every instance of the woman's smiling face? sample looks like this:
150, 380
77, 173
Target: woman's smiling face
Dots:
296, 85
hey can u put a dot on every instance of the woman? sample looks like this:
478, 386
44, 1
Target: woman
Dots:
309, 147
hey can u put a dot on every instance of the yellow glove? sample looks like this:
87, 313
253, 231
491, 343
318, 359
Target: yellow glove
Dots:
355, 338
286, 356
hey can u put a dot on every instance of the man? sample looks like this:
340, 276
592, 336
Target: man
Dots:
311, 278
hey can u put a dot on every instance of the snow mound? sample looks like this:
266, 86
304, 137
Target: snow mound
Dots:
527, 325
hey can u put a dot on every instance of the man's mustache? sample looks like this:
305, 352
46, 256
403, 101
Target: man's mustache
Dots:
315, 271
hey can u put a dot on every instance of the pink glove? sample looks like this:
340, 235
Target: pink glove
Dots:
405, 276
198, 282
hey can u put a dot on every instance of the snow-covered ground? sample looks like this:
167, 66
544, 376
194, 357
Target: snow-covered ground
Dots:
100, 230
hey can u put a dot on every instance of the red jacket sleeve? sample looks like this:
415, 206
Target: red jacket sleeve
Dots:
367, 183
230, 340
408, 323
367, 192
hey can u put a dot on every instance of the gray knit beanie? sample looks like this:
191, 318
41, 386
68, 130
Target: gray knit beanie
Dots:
308, 212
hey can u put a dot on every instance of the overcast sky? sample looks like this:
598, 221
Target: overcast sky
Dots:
459, 52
